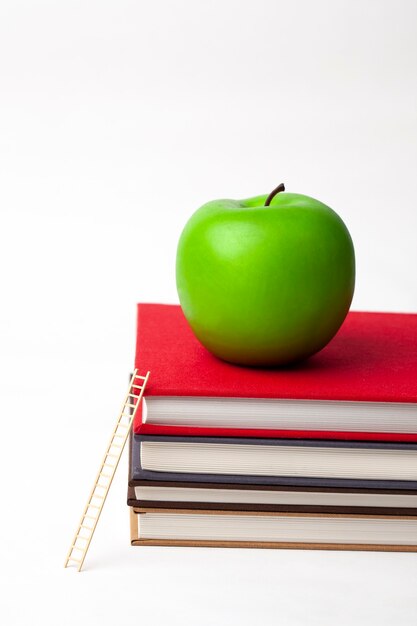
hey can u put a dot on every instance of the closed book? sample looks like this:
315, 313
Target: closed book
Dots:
361, 386
285, 462
267, 498
193, 528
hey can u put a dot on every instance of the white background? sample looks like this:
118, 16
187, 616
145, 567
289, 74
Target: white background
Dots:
117, 120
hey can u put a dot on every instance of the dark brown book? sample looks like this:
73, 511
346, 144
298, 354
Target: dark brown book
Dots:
290, 500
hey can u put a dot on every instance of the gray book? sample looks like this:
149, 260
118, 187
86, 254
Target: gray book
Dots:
263, 462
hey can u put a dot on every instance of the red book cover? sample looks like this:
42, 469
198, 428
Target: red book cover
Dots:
373, 358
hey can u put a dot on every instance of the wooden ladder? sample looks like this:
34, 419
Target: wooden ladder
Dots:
95, 503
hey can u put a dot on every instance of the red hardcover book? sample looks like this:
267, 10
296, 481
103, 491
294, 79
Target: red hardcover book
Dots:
361, 386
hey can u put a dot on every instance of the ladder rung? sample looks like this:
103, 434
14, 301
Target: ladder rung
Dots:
117, 435
133, 395
85, 527
115, 445
114, 456
89, 517
75, 548
106, 475
132, 406
93, 506
140, 377
71, 558
108, 466
99, 497
137, 386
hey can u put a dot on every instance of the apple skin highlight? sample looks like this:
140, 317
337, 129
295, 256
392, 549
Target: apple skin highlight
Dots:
265, 285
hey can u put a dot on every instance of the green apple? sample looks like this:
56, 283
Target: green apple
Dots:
265, 281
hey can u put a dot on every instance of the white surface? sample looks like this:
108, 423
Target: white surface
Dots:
117, 120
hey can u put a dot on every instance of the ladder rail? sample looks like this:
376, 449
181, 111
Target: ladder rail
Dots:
110, 468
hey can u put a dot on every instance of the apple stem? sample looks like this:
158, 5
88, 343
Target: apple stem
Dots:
281, 187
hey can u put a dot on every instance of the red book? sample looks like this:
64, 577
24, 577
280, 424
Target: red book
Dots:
362, 386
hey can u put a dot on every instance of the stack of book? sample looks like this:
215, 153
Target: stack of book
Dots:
322, 454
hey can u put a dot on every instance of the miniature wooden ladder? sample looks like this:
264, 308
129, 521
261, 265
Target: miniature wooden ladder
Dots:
104, 479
